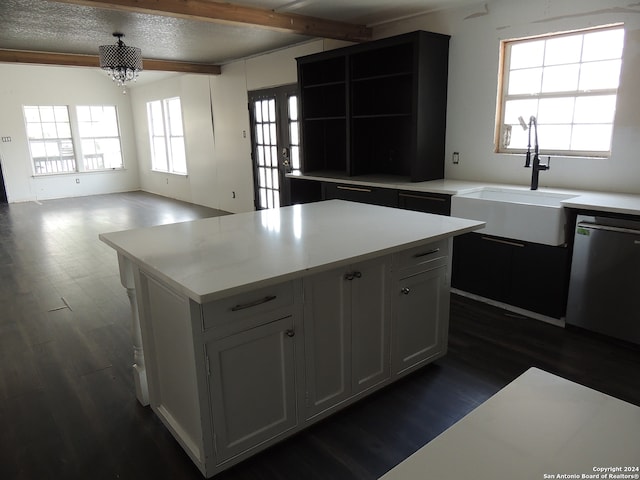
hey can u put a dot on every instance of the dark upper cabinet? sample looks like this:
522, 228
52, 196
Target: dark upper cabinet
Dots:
376, 108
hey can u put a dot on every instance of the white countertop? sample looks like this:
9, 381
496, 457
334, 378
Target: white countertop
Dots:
538, 424
599, 201
216, 257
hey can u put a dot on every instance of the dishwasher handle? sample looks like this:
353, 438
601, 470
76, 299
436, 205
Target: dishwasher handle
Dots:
606, 228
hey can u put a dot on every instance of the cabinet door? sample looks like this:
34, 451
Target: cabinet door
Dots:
370, 315
482, 265
540, 279
327, 340
420, 318
252, 386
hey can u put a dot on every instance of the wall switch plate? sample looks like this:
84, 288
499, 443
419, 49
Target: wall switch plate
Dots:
455, 158
6, 139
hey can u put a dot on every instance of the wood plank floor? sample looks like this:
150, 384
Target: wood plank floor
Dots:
67, 403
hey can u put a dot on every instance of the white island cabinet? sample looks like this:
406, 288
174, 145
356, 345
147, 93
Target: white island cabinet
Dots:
248, 328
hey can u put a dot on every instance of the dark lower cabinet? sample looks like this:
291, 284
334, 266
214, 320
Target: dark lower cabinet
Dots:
531, 276
387, 197
425, 202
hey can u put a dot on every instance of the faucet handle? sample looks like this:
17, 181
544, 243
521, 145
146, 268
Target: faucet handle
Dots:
549, 163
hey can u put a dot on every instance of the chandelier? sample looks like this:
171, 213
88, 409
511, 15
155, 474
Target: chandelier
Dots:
121, 63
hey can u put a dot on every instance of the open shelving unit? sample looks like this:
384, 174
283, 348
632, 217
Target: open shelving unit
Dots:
376, 108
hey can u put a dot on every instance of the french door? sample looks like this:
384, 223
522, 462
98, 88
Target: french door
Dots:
275, 143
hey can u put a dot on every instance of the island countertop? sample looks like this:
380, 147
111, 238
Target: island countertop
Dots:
217, 257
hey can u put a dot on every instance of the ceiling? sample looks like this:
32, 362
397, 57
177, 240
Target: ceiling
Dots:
164, 30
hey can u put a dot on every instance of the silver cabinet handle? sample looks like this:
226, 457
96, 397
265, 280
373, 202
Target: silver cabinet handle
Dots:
255, 303
405, 290
422, 197
504, 242
353, 189
424, 254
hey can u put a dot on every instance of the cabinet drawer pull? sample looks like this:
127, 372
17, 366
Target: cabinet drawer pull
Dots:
422, 197
405, 290
255, 303
424, 254
505, 242
353, 189
290, 333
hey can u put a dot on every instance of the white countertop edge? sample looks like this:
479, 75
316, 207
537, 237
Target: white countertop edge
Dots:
293, 271
292, 275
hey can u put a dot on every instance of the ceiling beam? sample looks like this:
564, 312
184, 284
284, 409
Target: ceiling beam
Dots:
73, 60
216, 12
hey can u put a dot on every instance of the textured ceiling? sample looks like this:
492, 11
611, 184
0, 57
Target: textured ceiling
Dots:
43, 25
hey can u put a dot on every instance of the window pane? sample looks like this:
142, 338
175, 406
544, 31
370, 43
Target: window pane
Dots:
603, 45
525, 81
520, 108
561, 78
527, 54
31, 114
591, 138
554, 137
258, 111
293, 133
61, 114
563, 50
47, 115
600, 109
600, 75
295, 158
293, 108
34, 130
178, 158
556, 110
262, 181
272, 110
175, 117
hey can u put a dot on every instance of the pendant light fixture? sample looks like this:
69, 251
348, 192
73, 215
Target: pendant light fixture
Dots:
122, 63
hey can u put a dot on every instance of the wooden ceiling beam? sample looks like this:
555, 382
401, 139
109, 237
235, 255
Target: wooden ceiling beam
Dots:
217, 12
73, 60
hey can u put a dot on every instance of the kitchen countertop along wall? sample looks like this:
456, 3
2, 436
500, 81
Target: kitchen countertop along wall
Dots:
628, 204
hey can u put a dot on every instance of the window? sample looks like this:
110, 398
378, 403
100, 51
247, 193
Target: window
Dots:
50, 141
569, 83
99, 137
167, 136
58, 137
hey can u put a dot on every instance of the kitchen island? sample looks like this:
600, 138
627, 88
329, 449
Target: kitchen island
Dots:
248, 328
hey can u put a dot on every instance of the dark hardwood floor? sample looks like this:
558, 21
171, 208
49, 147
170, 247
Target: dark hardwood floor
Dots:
67, 403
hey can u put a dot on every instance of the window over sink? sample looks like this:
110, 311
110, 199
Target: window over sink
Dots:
569, 83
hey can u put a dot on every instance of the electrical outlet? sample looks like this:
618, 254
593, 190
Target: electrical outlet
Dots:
455, 158
6, 139
77, 180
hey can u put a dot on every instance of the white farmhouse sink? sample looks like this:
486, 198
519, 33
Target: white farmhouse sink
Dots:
528, 215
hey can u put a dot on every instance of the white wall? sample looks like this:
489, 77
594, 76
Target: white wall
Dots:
216, 120
44, 85
473, 76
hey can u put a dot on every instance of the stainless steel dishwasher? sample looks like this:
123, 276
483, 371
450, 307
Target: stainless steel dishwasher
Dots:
604, 290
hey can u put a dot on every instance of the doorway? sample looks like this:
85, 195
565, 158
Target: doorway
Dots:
275, 143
